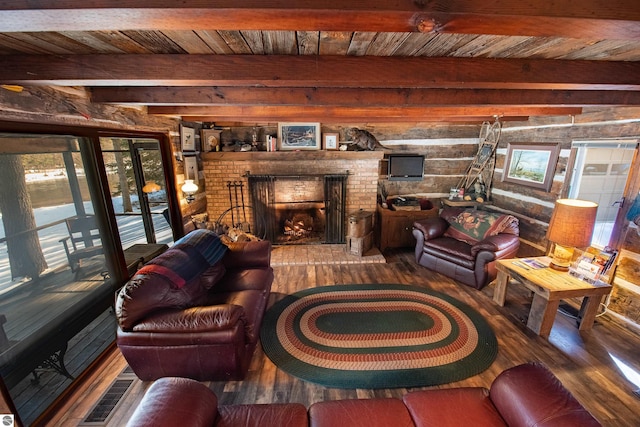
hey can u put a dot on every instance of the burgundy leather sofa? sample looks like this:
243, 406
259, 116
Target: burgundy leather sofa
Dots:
523, 396
195, 311
464, 244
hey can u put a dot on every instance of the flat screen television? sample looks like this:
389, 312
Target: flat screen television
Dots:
405, 167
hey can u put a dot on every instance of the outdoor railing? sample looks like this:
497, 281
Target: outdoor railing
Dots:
131, 231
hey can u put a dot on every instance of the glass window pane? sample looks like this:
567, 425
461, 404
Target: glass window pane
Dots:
141, 210
49, 293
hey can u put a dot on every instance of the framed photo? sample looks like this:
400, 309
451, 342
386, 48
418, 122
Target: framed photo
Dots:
533, 165
330, 141
188, 138
191, 168
299, 136
210, 139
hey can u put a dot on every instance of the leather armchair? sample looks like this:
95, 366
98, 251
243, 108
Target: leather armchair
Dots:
470, 261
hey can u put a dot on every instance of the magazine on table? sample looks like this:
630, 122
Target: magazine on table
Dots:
534, 263
529, 263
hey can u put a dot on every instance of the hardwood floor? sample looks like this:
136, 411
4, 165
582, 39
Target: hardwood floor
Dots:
588, 364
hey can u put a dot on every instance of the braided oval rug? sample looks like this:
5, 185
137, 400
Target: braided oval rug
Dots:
377, 336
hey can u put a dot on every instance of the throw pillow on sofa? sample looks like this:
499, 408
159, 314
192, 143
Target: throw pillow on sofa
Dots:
212, 275
473, 226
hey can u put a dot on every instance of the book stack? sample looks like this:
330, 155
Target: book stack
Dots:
271, 143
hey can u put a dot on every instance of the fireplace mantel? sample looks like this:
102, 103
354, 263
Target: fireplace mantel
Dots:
292, 155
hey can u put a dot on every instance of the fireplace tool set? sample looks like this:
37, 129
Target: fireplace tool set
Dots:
238, 210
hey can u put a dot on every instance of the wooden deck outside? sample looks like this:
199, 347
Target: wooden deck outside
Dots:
49, 309
590, 364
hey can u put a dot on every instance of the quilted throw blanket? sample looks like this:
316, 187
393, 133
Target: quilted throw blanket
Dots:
207, 243
189, 257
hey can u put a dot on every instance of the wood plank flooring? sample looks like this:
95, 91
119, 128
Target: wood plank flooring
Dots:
587, 363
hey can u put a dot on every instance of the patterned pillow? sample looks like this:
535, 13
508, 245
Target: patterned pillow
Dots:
473, 226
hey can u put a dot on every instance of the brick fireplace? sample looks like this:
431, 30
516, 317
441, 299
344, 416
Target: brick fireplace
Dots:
300, 183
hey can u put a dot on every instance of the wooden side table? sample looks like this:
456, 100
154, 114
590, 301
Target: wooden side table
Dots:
549, 287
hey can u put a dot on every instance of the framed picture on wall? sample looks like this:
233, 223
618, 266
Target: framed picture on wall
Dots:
299, 136
210, 139
533, 165
187, 138
330, 141
191, 168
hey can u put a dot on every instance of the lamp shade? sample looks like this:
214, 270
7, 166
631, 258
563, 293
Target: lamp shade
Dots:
150, 187
572, 222
189, 187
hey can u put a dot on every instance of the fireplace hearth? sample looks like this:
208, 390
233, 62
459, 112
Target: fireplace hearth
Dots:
301, 209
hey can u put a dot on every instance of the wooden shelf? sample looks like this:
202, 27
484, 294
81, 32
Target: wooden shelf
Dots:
291, 155
464, 203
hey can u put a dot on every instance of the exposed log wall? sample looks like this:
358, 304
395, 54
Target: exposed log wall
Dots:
449, 150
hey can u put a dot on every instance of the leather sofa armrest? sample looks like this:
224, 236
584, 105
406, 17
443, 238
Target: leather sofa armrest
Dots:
498, 243
248, 255
431, 227
530, 394
173, 402
195, 319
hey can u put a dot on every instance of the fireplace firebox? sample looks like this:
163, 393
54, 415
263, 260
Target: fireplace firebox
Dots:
300, 209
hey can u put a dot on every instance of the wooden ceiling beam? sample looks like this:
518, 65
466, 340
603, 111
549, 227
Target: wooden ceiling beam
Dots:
380, 97
470, 120
318, 71
351, 114
251, 121
618, 19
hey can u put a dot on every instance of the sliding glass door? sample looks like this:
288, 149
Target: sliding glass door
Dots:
70, 206
55, 281
137, 185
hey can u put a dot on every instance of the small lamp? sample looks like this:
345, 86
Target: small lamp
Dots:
189, 188
571, 226
150, 187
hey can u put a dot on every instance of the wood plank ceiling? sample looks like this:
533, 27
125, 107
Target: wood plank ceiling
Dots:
314, 60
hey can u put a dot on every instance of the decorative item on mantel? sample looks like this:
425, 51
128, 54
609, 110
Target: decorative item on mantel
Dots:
361, 140
299, 136
210, 140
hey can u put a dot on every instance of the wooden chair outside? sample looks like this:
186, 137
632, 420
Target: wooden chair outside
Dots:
83, 240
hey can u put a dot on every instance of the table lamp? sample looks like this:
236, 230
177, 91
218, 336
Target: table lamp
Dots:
189, 189
571, 226
150, 187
